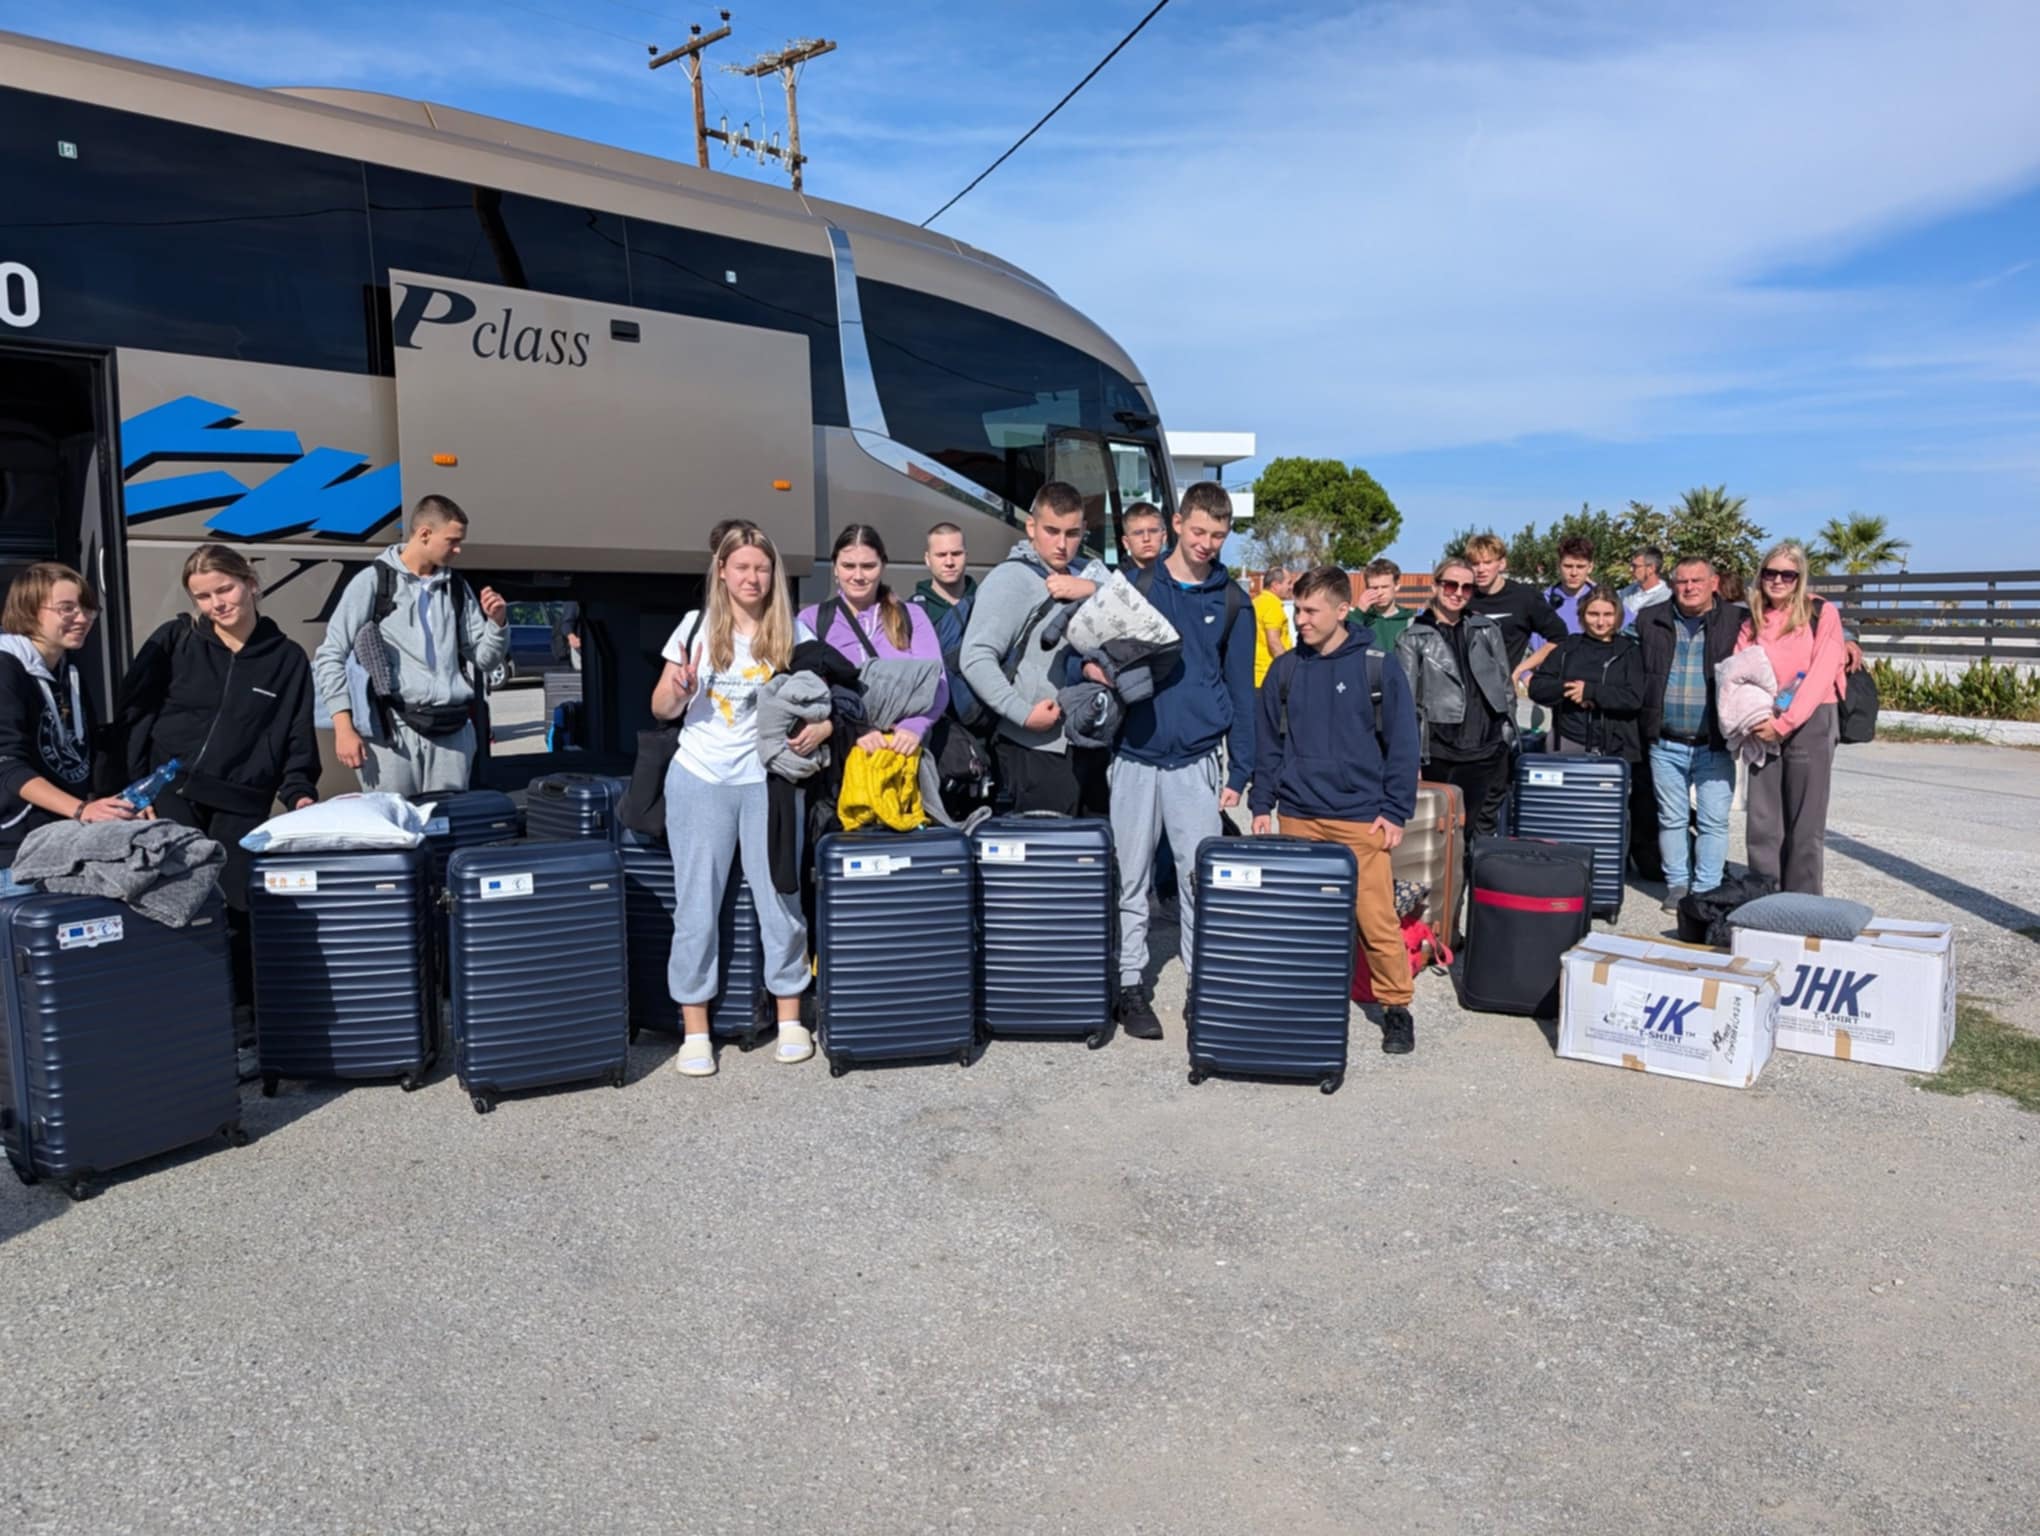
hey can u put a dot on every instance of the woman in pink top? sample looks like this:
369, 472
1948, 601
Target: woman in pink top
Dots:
1788, 796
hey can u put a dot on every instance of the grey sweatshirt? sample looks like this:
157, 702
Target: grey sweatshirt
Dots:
418, 634
1016, 587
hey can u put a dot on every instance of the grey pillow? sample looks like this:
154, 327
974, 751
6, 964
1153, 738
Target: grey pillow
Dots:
1813, 917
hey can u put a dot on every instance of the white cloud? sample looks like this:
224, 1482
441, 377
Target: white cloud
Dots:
1407, 227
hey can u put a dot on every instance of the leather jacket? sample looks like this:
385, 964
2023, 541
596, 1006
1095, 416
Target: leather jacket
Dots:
1440, 692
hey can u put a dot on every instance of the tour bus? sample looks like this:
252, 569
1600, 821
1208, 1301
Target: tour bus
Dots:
278, 317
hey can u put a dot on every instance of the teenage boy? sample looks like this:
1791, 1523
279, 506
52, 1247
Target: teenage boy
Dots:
1140, 536
438, 635
1014, 677
947, 583
1166, 774
1518, 607
1381, 606
1683, 641
1271, 619
1340, 767
1647, 587
1575, 581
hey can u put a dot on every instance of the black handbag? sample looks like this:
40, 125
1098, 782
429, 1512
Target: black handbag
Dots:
1859, 706
643, 806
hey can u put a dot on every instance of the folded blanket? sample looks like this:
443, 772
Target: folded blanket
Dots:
898, 688
1745, 696
786, 703
163, 870
1117, 611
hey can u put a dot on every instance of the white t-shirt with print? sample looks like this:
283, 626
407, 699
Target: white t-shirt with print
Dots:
719, 731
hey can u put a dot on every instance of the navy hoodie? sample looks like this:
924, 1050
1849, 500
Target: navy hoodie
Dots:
1331, 766
1198, 702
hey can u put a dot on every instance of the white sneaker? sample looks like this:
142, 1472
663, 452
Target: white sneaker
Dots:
696, 1058
796, 1044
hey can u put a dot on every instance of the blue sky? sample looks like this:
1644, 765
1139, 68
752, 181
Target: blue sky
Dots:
1509, 256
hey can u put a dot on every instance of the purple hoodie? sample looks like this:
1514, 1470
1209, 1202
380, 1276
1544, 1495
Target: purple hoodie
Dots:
922, 646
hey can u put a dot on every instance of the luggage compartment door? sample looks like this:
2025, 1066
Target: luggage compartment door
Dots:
586, 436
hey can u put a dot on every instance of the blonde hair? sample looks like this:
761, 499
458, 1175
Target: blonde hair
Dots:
32, 589
1486, 546
1450, 562
1798, 608
772, 641
219, 560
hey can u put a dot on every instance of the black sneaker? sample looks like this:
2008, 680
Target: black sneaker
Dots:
1398, 1032
1137, 1014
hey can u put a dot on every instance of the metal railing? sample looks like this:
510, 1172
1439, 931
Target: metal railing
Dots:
1942, 614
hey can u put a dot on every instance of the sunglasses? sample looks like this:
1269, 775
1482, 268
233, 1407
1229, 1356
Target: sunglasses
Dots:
1772, 573
1455, 586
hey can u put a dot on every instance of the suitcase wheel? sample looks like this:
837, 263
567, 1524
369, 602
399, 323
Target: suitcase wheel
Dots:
269, 1081
619, 1077
26, 1175
1331, 1084
1196, 1076
79, 1187
838, 1065
633, 1034
235, 1134
482, 1103
1097, 1038
411, 1082
963, 1056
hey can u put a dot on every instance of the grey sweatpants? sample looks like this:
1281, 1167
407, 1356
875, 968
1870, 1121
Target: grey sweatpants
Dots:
1146, 802
708, 826
410, 764
1788, 806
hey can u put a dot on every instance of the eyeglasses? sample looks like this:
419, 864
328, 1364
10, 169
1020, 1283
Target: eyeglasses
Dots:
1772, 573
1455, 586
69, 611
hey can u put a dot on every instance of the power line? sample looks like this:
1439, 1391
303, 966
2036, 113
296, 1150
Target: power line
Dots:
569, 21
625, 5
1030, 133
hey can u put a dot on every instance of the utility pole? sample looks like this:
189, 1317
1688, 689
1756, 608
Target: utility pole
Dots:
787, 61
691, 51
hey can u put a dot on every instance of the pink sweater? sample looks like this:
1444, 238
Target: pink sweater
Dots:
1820, 655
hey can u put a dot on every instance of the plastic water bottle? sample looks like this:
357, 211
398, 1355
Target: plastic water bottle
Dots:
1784, 700
142, 793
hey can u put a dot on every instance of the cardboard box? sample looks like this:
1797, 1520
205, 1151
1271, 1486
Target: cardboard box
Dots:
1679, 1010
1886, 996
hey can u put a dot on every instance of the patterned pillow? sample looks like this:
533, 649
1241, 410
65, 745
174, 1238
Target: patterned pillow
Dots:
1410, 897
1813, 917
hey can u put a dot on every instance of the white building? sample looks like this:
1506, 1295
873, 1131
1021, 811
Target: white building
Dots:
1195, 456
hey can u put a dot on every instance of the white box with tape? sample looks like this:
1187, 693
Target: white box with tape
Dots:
1886, 996
1674, 1009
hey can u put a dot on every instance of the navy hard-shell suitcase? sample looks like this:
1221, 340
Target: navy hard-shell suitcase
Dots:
737, 1012
120, 1037
1271, 959
566, 805
468, 820
895, 929
1583, 800
344, 973
535, 954
1528, 907
1047, 879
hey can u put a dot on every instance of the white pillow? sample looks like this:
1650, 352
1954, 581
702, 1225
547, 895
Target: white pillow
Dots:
350, 821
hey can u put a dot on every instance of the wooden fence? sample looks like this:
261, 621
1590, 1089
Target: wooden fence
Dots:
1948, 615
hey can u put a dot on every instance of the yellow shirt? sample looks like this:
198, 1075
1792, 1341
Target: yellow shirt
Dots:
1268, 615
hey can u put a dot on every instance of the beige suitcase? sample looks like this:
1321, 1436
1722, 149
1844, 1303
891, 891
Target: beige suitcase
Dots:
1433, 851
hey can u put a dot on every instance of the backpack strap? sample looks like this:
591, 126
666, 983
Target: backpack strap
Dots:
1376, 661
825, 620
384, 603
1010, 662
1235, 600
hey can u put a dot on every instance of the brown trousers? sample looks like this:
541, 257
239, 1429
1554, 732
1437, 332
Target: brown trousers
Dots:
1381, 940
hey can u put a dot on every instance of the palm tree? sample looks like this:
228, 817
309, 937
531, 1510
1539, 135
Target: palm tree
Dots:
1708, 503
1860, 544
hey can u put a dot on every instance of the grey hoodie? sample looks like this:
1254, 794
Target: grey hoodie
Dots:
418, 635
1016, 587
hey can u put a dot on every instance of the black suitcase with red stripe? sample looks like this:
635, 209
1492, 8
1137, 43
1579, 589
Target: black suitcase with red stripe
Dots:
1530, 903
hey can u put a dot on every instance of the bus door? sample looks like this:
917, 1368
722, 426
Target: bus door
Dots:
56, 502
593, 446
1111, 474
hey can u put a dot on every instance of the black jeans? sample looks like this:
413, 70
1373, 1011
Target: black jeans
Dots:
1484, 783
1070, 783
226, 828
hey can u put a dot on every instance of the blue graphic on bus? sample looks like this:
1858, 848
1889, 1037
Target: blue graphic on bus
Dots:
327, 491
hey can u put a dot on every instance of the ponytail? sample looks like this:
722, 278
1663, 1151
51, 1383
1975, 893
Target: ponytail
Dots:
892, 613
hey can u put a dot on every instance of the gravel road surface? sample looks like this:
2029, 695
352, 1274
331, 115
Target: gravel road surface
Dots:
1062, 1291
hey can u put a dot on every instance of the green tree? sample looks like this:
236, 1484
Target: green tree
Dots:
1321, 511
1706, 521
1857, 543
1533, 553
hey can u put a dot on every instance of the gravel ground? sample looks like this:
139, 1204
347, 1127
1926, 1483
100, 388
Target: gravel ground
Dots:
1062, 1291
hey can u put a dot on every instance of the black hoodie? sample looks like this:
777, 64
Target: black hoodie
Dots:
239, 721
1612, 670
45, 731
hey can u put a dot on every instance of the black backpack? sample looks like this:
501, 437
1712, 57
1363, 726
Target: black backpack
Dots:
426, 719
1375, 661
1856, 714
